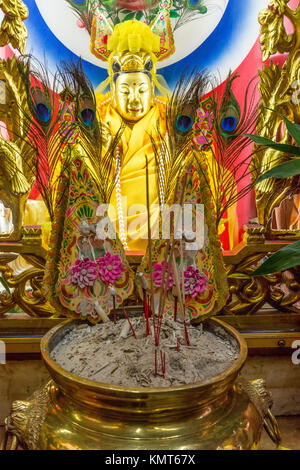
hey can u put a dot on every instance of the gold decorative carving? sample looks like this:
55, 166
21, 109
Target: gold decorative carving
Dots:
31, 235
27, 417
248, 294
258, 394
25, 288
15, 155
13, 29
278, 89
263, 402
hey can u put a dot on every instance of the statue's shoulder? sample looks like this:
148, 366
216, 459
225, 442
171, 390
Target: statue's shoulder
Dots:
161, 102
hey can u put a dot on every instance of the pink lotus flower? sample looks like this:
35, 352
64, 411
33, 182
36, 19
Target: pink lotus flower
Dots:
110, 268
194, 283
158, 274
84, 272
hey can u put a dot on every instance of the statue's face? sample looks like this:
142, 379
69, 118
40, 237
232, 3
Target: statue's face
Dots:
133, 95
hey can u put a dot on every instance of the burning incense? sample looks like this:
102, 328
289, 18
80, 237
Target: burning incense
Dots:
170, 255
163, 363
178, 287
149, 239
115, 313
144, 285
146, 311
114, 294
175, 307
186, 334
163, 283
131, 327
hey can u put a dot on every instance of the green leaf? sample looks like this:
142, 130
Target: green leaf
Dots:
289, 149
286, 258
139, 15
285, 170
130, 16
4, 284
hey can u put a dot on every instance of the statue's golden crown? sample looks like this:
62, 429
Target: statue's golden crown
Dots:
133, 45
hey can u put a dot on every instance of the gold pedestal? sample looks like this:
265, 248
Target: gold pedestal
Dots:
75, 413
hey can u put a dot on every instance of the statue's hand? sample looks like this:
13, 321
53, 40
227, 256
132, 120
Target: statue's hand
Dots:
106, 133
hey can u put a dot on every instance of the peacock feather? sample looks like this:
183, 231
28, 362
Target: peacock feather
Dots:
89, 127
41, 122
56, 122
181, 112
226, 170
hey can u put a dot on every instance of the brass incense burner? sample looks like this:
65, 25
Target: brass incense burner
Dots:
75, 413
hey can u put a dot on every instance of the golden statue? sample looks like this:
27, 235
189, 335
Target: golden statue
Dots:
279, 89
132, 101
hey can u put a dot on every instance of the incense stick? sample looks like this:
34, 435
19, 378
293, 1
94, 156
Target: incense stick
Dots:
173, 244
177, 284
149, 238
182, 274
131, 327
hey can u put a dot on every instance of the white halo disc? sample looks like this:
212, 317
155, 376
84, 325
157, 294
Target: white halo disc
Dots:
64, 26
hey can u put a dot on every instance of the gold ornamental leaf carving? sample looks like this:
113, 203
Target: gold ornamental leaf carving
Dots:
13, 29
273, 33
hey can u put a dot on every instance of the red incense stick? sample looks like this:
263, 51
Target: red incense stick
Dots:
115, 313
146, 311
126, 315
163, 363
175, 307
187, 339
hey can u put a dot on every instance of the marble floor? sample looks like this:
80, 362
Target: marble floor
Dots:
289, 428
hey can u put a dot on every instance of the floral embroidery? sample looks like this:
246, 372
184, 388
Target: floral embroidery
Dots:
110, 268
84, 273
194, 282
158, 274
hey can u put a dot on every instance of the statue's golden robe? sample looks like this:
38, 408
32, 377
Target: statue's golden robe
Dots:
135, 145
